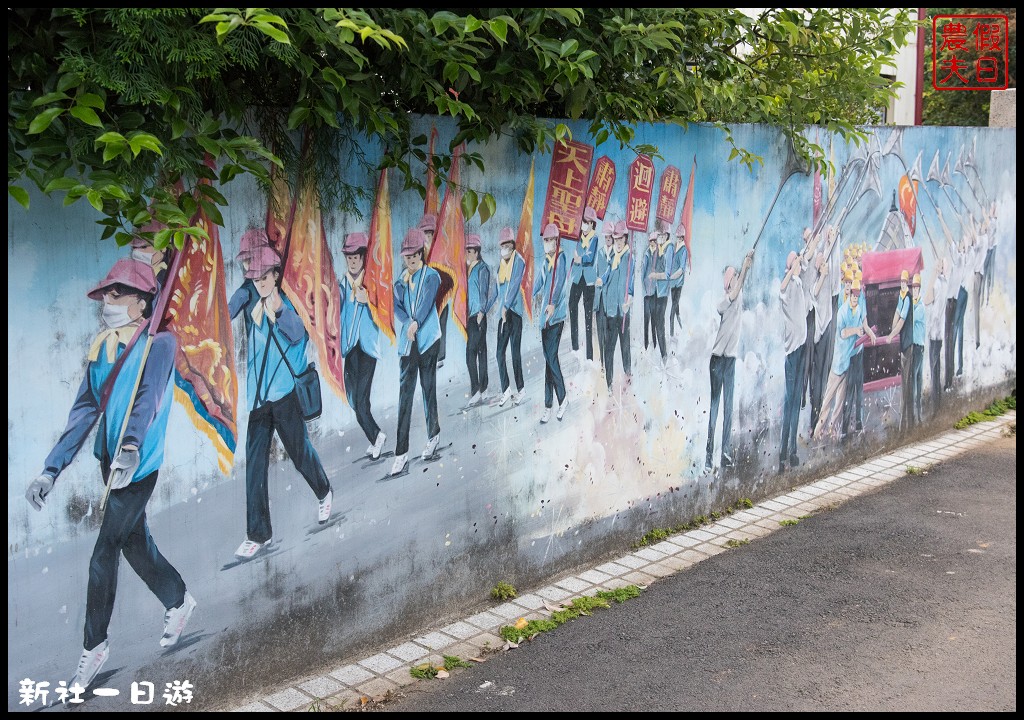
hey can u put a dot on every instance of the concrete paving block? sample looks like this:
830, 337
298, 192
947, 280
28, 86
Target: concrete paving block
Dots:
288, 699
435, 640
380, 663
321, 687
351, 675
460, 630
409, 652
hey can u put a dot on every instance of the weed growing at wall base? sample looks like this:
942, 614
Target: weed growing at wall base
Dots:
999, 407
658, 534
603, 599
503, 591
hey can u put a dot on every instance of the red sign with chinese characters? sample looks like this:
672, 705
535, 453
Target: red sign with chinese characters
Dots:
668, 198
601, 186
567, 187
970, 52
641, 188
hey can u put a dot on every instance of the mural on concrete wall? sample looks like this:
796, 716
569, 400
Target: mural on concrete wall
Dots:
787, 318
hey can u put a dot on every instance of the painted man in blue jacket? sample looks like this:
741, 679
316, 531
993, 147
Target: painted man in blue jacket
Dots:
551, 293
650, 290
584, 273
419, 341
275, 352
511, 269
479, 299
660, 273
129, 463
604, 258
677, 276
616, 285
360, 340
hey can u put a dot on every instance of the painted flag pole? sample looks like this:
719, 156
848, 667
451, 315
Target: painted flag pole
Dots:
152, 329
629, 277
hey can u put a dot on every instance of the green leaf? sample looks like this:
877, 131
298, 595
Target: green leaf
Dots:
499, 28
86, 115
469, 203
178, 128
95, 199
297, 116
270, 31
43, 120
144, 141
112, 150
568, 47
472, 24
18, 194
488, 206
91, 100
50, 98
61, 183
212, 212
68, 81
117, 192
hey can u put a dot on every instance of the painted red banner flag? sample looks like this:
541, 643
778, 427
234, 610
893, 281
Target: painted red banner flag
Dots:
686, 217
524, 245
601, 184
312, 285
195, 309
641, 189
448, 253
567, 187
379, 275
431, 202
668, 196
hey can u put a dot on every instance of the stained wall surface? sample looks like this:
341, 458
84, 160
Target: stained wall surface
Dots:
695, 424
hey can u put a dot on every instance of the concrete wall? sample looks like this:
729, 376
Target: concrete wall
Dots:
1002, 111
509, 499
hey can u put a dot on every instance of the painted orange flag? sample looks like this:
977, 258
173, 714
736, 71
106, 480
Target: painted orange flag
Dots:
524, 244
379, 274
280, 212
196, 311
431, 201
448, 253
311, 284
686, 218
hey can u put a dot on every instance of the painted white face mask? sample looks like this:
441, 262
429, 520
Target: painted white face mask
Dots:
115, 316
142, 256
549, 246
506, 252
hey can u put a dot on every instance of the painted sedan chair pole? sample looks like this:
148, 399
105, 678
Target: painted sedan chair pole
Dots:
127, 388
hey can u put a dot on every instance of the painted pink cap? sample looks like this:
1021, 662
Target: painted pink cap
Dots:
620, 229
414, 241
261, 260
252, 239
680, 230
590, 214
550, 231
506, 236
653, 235
473, 242
130, 273
428, 222
609, 228
354, 242
151, 227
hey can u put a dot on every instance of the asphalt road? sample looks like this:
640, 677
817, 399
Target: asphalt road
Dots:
900, 600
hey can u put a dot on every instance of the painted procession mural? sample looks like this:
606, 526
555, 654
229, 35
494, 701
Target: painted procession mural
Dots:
628, 342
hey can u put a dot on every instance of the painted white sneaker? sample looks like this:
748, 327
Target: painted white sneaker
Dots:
250, 549
546, 416
505, 396
400, 464
323, 510
519, 397
175, 620
375, 450
474, 399
90, 664
431, 446
562, 408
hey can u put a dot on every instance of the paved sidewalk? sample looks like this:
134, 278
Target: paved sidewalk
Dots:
370, 679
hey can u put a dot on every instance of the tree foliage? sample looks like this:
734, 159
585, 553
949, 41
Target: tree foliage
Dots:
962, 109
121, 106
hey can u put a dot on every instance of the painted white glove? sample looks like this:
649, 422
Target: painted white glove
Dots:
122, 470
38, 489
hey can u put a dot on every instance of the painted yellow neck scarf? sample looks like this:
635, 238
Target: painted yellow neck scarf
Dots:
618, 255
109, 340
505, 269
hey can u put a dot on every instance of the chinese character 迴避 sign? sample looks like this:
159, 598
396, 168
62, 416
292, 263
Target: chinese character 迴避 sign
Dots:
567, 187
970, 52
601, 185
641, 188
